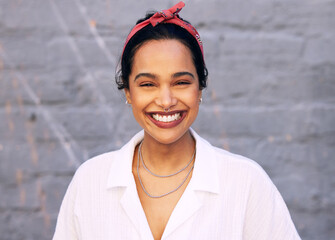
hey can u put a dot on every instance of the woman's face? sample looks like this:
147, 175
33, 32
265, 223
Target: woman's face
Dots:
163, 76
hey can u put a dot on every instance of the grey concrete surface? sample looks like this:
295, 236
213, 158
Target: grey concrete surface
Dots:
271, 97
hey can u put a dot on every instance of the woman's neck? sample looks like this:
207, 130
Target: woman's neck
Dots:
166, 158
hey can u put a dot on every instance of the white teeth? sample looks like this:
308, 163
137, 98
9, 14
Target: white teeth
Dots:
169, 118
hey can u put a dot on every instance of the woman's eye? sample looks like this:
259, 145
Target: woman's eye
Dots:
146, 85
183, 83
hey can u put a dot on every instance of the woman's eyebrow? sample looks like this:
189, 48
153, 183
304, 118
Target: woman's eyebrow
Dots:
148, 75
180, 74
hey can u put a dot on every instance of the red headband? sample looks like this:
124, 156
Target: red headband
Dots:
167, 16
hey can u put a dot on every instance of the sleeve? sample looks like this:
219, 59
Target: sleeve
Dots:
267, 216
67, 226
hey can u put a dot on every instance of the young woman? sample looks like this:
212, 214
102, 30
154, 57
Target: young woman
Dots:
168, 182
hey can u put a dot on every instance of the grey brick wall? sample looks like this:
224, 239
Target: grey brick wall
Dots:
271, 97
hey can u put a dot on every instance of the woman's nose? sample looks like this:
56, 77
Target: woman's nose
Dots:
166, 98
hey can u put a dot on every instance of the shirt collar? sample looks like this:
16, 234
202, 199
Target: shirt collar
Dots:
204, 177
120, 174
205, 174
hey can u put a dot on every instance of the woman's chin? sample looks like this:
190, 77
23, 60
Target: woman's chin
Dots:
166, 136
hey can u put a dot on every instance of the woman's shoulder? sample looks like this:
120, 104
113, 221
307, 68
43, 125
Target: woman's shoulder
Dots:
99, 160
233, 159
109, 164
227, 159
242, 170
231, 165
97, 165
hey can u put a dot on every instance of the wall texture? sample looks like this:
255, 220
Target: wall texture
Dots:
271, 97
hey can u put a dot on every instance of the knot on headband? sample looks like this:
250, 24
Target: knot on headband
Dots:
168, 14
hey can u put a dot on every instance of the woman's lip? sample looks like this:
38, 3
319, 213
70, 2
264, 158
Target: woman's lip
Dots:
167, 124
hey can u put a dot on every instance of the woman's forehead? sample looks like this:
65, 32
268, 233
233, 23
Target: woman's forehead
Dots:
163, 56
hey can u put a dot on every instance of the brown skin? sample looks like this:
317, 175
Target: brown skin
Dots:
163, 76
158, 210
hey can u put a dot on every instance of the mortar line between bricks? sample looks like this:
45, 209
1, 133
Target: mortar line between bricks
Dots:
65, 139
90, 80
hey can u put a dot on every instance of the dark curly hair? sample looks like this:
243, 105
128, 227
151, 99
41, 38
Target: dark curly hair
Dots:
159, 32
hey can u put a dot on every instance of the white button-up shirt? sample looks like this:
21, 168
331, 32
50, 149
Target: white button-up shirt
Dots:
228, 197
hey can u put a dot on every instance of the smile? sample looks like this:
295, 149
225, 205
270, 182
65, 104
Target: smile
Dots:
166, 118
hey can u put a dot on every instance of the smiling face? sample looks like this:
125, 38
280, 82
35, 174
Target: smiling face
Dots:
163, 76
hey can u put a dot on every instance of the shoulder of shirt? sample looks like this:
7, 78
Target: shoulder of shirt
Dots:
233, 166
99, 163
230, 162
233, 160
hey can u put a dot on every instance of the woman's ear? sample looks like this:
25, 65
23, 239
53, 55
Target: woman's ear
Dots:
127, 93
200, 96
